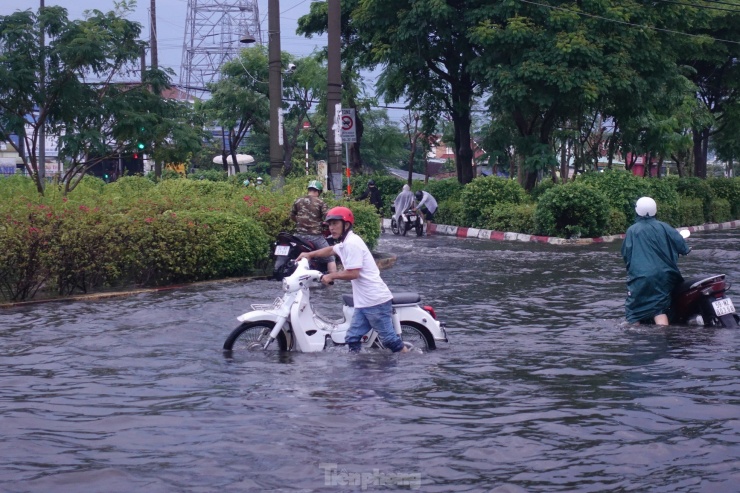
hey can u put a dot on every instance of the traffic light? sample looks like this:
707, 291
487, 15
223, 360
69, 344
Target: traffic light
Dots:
141, 139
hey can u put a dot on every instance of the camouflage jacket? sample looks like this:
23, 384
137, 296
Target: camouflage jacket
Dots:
308, 213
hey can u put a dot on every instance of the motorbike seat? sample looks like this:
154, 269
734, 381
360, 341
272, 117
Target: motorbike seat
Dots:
405, 298
699, 282
285, 237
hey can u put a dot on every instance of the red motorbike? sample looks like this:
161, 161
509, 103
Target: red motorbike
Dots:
704, 301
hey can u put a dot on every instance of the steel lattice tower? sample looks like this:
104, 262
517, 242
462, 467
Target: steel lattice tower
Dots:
213, 29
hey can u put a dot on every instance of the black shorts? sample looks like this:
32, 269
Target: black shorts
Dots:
429, 216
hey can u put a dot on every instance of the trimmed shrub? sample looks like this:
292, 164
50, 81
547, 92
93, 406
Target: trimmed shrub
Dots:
449, 212
367, 222
670, 213
542, 187
621, 188
690, 212
446, 189
484, 192
572, 210
720, 211
728, 189
663, 191
518, 218
210, 175
617, 223
696, 188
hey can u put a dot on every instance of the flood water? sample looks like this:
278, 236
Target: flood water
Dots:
543, 388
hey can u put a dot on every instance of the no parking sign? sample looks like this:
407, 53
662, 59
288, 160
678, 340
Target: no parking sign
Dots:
349, 134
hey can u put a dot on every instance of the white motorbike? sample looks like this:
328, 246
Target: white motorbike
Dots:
293, 323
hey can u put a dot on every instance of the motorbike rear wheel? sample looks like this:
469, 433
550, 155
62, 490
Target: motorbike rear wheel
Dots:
417, 335
252, 336
729, 320
419, 228
394, 226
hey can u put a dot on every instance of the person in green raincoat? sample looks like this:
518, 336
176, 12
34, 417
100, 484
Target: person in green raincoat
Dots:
650, 251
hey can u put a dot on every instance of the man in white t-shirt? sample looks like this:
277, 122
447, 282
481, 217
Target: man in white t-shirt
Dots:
372, 298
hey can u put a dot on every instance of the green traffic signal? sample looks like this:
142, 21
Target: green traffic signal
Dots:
140, 145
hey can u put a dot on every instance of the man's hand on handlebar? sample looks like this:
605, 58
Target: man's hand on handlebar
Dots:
326, 280
302, 255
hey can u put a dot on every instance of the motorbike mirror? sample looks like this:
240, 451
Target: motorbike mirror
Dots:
685, 233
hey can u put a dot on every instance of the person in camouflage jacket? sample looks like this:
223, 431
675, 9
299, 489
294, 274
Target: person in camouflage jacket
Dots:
308, 212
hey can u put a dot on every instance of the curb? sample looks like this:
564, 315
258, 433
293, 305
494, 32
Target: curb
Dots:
487, 234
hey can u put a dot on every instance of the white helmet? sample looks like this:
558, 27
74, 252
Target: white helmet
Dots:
646, 207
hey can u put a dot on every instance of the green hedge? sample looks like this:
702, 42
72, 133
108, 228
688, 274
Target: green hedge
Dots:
517, 218
729, 190
690, 212
720, 211
137, 232
572, 210
621, 188
485, 192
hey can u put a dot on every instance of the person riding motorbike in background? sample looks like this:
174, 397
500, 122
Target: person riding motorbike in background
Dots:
374, 194
403, 202
308, 213
372, 298
427, 204
650, 251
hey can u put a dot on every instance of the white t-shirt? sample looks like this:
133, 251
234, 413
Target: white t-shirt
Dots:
368, 289
428, 201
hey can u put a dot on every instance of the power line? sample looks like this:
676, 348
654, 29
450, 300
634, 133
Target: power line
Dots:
630, 23
702, 7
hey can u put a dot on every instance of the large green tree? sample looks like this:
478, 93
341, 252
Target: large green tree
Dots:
423, 52
53, 68
713, 55
68, 86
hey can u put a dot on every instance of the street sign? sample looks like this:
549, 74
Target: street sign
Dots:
349, 132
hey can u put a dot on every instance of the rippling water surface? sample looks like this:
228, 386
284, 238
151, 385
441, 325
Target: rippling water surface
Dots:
542, 388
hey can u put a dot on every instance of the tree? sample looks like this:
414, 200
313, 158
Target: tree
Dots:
714, 58
383, 142
426, 51
239, 99
44, 87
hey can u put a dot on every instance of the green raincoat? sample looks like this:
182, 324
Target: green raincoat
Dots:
650, 251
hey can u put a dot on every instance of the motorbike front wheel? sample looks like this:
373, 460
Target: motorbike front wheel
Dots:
252, 336
419, 228
394, 226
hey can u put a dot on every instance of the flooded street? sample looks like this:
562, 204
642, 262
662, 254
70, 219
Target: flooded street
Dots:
542, 388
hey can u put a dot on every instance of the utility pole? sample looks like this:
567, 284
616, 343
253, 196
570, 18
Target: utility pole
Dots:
155, 64
153, 35
42, 114
334, 96
275, 83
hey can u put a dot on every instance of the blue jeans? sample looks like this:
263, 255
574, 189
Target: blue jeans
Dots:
378, 317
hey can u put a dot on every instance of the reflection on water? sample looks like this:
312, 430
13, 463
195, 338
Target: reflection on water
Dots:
543, 387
